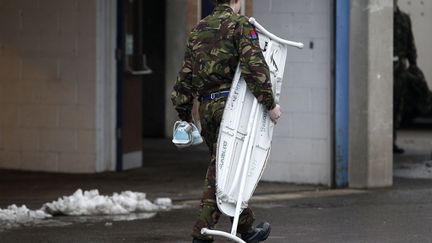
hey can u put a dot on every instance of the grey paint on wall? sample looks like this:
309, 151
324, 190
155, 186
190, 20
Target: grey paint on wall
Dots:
301, 148
47, 85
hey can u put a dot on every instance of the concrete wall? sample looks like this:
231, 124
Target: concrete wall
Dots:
301, 148
371, 94
421, 18
48, 85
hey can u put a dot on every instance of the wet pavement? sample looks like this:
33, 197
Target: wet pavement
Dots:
298, 213
416, 161
398, 214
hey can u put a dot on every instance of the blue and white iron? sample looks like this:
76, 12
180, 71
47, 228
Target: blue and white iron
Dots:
186, 134
196, 136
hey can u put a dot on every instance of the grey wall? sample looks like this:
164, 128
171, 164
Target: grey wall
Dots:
48, 57
301, 148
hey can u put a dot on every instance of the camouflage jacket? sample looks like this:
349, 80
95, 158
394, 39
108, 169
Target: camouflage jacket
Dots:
403, 39
215, 47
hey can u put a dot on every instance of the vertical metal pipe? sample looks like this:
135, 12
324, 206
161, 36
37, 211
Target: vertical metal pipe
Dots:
342, 92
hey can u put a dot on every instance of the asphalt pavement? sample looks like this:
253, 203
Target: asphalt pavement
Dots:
297, 213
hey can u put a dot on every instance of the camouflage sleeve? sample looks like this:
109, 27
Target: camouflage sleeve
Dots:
182, 94
412, 50
253, 65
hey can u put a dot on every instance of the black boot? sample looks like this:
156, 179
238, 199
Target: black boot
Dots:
257, 234
196, 240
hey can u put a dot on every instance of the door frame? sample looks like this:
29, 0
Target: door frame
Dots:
127, 159
119, 83
106, 85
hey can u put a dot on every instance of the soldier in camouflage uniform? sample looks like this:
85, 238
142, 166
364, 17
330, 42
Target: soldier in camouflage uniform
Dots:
412, 96
215, 46
404, 53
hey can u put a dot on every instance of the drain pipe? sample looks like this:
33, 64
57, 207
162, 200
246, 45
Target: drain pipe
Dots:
341, 99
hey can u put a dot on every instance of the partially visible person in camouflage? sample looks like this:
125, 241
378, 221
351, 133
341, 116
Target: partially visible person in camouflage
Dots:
215, 47
411, 95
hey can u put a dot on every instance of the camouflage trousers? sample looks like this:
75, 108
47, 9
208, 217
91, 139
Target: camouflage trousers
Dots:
411, 94
399, 91
211, 115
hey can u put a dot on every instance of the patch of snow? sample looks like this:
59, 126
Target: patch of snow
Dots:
92, 203
164, 202
414, 170
14, 215
131, 205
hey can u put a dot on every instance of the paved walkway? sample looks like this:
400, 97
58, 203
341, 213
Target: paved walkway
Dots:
298, 213
416, 162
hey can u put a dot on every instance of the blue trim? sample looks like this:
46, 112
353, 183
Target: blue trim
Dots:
342, 93
214, 96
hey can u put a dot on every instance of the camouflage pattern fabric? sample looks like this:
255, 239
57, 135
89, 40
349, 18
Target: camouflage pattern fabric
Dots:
403, 38
411, 94
415, 96
215, 47
208, 216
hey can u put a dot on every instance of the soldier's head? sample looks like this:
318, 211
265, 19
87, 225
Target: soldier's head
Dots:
395, 4
234, 4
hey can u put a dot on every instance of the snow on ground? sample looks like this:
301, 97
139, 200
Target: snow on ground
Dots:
20, 215
419, 170
85, 203
92, 203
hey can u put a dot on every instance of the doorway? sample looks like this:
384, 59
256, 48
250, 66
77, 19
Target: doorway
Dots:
141, 78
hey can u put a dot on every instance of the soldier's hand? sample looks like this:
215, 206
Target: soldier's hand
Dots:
276, 113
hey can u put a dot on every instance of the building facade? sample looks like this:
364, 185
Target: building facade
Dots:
50, 87
70, 69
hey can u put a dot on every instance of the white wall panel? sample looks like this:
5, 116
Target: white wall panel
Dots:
301, 150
